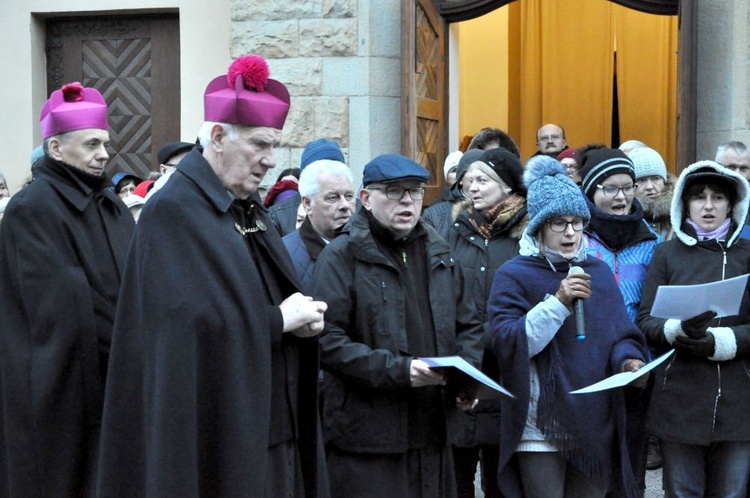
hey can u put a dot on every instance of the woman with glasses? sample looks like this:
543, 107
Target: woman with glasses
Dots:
483, 237
571, 160
701, 402
618, 235
553, 443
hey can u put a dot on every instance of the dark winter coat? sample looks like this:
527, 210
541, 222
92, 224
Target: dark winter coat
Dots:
588, 429
700, 400
189, 405
63, 246
478, 259
304, 246
440, 216
367, 393
284, 214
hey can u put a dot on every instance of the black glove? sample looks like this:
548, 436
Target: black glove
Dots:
695, 327
702, 348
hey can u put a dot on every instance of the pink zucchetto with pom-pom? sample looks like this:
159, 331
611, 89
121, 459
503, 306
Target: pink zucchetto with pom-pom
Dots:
73, 107
246, 96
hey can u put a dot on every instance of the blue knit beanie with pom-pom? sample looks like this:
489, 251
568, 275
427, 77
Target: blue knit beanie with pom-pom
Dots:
551, 193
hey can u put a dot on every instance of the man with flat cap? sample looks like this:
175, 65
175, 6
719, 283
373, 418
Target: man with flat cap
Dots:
394, 295
63, 246
213, 378
169, 156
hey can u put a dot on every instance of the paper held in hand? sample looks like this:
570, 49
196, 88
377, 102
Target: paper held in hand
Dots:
623, 378
686, 301
462, 377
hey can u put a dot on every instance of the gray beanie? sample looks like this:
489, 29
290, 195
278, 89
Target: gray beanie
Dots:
551, 193
648, 162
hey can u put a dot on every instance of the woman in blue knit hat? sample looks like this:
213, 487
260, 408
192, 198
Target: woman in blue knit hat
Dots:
553, 443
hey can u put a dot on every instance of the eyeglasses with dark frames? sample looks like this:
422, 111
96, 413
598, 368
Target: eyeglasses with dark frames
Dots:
560, 225
627, 190
395, 193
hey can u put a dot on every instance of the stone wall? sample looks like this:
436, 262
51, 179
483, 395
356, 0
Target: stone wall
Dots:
723, 105
340, 60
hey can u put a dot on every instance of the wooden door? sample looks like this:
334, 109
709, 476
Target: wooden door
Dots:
424, 98
134, 61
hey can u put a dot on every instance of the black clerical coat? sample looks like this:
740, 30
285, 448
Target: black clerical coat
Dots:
188, 408
63, 245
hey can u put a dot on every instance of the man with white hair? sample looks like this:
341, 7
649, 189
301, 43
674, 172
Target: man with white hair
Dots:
735, 156
327, 190
213, 380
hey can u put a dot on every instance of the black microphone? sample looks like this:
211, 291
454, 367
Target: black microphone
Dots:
578, 308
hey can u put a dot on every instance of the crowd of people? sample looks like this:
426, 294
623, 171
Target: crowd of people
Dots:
234, 345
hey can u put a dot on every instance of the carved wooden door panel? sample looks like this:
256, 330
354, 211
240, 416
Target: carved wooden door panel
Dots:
424, 105
134, 61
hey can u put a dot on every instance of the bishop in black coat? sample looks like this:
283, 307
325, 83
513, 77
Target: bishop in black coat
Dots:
206, 395
63, 246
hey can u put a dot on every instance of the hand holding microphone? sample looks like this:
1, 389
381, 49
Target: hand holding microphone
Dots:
573, 289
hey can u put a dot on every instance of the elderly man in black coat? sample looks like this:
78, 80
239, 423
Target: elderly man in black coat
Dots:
63, 244
213, 378
394, 296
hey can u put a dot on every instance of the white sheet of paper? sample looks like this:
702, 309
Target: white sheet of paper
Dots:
685, 301
623, 378
467, 368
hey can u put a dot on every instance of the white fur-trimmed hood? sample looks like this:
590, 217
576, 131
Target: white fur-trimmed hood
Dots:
739, 209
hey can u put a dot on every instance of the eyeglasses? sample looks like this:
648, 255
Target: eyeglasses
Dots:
397, 193
628, 190
571, 167
171, 165
560, 226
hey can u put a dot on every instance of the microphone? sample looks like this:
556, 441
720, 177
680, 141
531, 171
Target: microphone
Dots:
578, 308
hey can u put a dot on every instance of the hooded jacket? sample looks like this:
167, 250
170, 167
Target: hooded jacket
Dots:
699, 400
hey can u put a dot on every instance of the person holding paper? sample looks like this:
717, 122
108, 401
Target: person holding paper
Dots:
394, 294
553, 443
701, 402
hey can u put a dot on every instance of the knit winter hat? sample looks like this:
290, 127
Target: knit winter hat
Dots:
469, 157
551, 193
648, 162
599, 164
451, 162
570, 153
507, 166
321, 148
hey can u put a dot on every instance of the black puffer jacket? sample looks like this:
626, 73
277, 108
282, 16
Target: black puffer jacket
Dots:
479, 258
701, 400
364, 344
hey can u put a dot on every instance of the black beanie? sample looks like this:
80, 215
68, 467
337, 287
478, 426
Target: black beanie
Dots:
507, 166
599, 164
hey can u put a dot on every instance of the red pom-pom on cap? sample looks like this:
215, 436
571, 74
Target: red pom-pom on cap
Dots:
72, 92
254, 71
